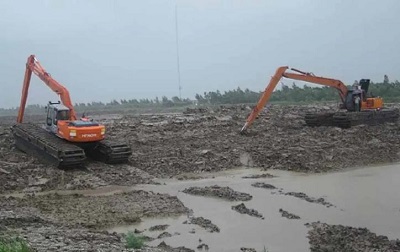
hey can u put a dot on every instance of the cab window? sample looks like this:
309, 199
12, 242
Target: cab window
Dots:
63, 115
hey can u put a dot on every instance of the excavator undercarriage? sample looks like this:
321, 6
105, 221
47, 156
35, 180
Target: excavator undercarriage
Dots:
345, 119
35, 140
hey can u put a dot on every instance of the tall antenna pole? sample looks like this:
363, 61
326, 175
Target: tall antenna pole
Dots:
177, 50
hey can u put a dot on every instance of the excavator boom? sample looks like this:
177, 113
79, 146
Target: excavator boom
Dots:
300, 75
308, 77
34, 66
265, 96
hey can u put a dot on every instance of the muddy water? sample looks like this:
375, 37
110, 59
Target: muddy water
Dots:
364, 197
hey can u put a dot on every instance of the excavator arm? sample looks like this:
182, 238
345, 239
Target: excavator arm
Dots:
302, 76
33, 66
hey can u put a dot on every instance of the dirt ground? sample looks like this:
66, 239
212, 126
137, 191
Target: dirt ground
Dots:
324, 237
167, 146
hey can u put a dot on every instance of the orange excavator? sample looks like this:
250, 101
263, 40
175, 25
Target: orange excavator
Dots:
63, 138
360, 108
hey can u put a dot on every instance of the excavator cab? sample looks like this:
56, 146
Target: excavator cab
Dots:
368, 102
56, 112
58, 121
364, 83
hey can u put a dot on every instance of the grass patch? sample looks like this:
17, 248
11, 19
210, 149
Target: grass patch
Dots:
13, 245
132, 241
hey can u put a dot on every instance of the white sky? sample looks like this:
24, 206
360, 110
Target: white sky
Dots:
101, 50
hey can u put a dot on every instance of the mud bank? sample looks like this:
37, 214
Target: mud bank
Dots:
98, 211
324, 237
72, 222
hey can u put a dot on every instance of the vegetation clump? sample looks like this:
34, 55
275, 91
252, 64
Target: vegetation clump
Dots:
133, 241
13, 245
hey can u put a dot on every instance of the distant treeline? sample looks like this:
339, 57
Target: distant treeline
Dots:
390, 91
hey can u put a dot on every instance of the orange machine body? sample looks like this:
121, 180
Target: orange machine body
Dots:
61, 118
82, 134
372, 103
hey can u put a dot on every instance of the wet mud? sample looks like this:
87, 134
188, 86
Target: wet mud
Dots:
220, 192
307, 198
288, 215
248, 250
168, 145
164, 235
168, 248
299, 195
43, 234
98, 211
204, 223
241, 208
257, 176
263, 185
158, 227
189, 146
203, 246
324, 237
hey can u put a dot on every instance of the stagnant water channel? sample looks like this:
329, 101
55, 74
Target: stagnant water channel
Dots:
365, 197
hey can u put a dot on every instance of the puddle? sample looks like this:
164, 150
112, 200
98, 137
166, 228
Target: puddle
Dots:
364, 197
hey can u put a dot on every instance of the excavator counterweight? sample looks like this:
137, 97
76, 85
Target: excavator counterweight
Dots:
359, 107
63, 139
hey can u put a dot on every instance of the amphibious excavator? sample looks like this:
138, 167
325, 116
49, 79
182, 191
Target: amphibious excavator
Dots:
369, 110
63, 139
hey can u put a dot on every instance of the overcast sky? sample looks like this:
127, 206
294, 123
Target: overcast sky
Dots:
101, 50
